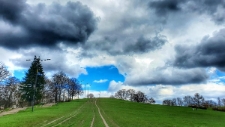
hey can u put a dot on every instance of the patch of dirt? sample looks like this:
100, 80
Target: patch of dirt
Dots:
13, 111
48, 105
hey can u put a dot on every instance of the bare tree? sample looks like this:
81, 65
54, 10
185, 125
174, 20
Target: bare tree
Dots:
48, 91
4, 73
174, 102
223, 101
167, 102
151, 100
219, 102
12, 84
140, 97
3, 96
188, 100
209, 103
121, 94
74, 88
179, 101
198, 99
130, 93
59, 80
79, 90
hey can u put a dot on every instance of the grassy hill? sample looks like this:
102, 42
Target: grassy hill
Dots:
84, 113
130, 114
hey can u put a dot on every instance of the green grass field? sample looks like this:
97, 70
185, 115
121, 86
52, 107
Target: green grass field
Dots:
129, 114
81, 113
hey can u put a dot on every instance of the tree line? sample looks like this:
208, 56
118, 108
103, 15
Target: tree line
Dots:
196, 101
36, 86
134, 96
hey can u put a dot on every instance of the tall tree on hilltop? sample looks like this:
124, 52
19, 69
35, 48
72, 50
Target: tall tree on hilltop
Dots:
33, 82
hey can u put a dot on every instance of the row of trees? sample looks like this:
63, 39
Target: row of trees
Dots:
36, 86
197, 100
131, 95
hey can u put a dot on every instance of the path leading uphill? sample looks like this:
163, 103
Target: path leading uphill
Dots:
13, 111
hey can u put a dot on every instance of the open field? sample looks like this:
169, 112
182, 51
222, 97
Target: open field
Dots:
129, 114
113, 113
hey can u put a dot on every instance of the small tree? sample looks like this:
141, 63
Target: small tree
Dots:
90, 95
151, 100
140, 97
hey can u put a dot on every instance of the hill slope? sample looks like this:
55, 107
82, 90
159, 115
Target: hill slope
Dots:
130, 114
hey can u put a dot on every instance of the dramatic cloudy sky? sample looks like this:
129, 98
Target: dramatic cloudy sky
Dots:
165, 48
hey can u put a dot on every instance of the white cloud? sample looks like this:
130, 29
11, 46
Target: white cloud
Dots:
101, 81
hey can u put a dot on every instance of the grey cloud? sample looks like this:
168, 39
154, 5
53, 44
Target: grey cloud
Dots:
170, 76
11, 10
48, 25
144, 45
210, 7
209, 53
162, 7
114, 46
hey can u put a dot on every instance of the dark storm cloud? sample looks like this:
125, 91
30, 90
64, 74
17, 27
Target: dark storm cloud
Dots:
11, 10
48, 25
162, 7
209, 53
210, 7
172, 76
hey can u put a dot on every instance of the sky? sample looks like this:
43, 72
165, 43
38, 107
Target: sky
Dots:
164, 48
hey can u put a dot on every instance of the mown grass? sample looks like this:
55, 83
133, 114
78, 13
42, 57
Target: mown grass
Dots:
41, 115
130, 114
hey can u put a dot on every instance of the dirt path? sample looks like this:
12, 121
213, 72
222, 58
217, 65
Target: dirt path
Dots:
13, 111
101, 115
93, 120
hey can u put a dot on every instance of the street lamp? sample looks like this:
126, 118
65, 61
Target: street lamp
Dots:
34, 86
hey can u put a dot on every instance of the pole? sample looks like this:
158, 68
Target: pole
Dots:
34, 88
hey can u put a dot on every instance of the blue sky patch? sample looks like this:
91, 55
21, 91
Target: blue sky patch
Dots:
100, 77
